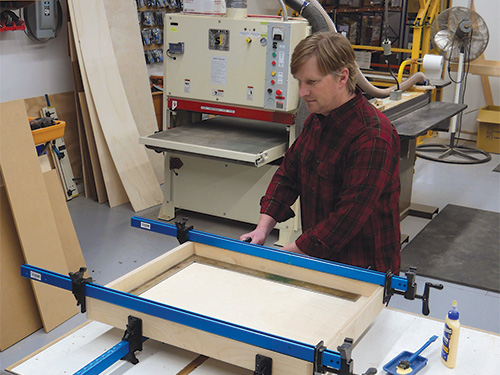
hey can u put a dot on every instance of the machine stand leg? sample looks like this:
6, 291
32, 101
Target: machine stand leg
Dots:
263, 365
133, 335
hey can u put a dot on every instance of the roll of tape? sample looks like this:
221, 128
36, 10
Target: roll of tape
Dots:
433, 66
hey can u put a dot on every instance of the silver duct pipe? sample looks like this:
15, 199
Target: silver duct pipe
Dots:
236, 9
321, 21
236, 4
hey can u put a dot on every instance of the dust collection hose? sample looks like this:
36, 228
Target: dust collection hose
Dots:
321, 21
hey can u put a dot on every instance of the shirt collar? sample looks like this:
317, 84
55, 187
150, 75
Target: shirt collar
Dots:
347, 106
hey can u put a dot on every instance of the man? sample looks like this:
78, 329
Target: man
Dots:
344, 166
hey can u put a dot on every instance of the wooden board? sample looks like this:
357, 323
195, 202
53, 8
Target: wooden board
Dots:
115, 191
19, 315
129, 51
64, 223
114, 113
92, 150
32, 211
253, 292
87, 174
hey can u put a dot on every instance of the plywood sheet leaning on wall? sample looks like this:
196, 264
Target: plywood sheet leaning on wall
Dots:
64, 223
92, 150
115, 116
87, 172
129, 51
19, 315
115, 191
32, 211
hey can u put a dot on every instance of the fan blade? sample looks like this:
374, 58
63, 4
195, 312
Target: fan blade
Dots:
444, 40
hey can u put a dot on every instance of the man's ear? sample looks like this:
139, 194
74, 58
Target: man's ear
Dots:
343, 77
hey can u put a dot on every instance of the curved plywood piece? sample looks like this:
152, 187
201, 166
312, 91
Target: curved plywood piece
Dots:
115, 116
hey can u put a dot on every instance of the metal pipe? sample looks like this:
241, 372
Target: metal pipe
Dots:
284, 11
321, 21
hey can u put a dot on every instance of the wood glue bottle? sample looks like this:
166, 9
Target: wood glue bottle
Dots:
450, 337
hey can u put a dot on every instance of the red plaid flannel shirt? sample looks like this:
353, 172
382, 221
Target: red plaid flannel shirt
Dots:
345, 168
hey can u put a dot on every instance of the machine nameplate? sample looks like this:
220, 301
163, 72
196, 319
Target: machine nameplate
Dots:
218, 40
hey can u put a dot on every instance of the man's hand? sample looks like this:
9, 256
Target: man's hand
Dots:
292, 247
259, 234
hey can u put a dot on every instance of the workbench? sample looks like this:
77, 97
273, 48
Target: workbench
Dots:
392, 332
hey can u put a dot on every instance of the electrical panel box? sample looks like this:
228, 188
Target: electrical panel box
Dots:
233, 61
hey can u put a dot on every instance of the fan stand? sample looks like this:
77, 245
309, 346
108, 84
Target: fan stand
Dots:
452, 153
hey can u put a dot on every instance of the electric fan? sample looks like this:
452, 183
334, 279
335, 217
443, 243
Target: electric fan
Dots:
461, 36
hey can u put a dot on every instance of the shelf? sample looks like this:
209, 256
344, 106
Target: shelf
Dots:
12, 28
12, 5
361, 10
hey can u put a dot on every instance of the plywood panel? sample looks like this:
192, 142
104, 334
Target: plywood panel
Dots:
64, 223
114, 113
32, 212
114, 188
261, 304
129, 51
92, 150
19, 315
87, 173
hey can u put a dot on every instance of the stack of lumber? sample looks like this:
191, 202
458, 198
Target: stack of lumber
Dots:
114, 104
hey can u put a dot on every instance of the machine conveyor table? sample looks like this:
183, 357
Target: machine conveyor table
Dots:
243, 140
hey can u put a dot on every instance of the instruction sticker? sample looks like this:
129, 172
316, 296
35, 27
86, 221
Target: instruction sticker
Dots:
218, 70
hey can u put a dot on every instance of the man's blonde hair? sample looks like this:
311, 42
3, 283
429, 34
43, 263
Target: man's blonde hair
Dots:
333, 53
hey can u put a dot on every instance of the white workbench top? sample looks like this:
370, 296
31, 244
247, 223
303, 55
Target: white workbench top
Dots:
392, 332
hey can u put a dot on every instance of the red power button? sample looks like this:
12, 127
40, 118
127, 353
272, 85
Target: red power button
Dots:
279, 92
273, 63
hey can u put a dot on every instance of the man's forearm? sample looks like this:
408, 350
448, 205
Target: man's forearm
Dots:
266, 224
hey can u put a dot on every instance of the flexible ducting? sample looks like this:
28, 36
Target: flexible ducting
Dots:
321, 21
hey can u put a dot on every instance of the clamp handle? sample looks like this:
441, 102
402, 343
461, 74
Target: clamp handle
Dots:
425, 296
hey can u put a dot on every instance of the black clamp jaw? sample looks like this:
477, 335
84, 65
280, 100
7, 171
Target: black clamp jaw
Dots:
78, 287
346, 362
133, 335
263, 365
182, 231
411, 290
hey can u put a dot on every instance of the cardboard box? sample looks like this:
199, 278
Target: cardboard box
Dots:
488, 134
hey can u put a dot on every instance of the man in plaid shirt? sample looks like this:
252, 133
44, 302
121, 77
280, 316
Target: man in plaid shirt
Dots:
344, 166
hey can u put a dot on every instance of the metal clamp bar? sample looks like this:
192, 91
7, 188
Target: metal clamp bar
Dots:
105, 360
110, 357
219, 327
304, 261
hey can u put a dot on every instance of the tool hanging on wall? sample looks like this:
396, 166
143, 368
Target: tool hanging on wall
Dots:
43, 20
60, 157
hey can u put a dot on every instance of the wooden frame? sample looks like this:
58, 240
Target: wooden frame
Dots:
356, 305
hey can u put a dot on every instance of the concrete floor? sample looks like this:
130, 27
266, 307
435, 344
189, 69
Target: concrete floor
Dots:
111, 247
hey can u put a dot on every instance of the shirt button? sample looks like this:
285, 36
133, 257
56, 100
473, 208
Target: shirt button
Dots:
318, 161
